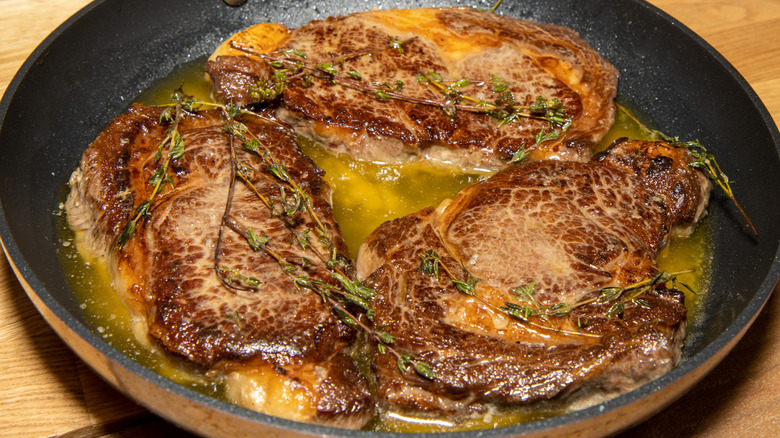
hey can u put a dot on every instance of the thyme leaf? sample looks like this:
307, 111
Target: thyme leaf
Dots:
396, 44
356, 288
268, 91
232, 276
430, 263
423, 370
295, 52
467, 287
631, 293
405, 361
616, 309
237, 317
542, 136
256, 241
520, 154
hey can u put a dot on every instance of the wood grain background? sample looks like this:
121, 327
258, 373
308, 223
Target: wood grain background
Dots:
47, 391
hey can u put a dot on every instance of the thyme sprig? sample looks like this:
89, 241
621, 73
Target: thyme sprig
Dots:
291, 204
504, 108
529, 306
702, 159
430, 263
620, 296
233, 275
173, 145
344, 293
495, 6
226, 213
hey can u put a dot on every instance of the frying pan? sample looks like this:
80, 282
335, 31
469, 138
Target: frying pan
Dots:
96, 63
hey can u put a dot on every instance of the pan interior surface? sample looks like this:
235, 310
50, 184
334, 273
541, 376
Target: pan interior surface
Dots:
96, 64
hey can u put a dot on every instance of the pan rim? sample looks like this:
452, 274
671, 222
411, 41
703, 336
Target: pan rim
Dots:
729, 336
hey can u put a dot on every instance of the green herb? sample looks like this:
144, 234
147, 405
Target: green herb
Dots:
295, 52
345, 296
232, 276
497, 85
430, 262
631, 293
421, 368
173, 144
493, 8
504, 107
520, 155
264, 91
542, 136
528, 306
327, 68
616, 309
396, 44
531, 306
237, 317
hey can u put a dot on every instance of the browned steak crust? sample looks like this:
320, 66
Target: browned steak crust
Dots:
562, 230
665, 170
566, 228
491, 51
168, 273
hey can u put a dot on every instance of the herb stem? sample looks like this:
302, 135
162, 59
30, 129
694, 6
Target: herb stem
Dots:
228, 206
430, 263
327, 72
160, 176
347, 292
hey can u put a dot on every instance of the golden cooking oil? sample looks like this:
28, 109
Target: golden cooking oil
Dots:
365, 195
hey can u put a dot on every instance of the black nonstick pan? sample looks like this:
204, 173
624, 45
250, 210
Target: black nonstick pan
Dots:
93, 66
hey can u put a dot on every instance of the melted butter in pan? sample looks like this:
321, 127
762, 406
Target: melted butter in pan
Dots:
364, 195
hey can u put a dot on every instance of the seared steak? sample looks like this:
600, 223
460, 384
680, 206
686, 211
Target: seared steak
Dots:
547, 244
192, 278
537, 284
665, 170
394, 85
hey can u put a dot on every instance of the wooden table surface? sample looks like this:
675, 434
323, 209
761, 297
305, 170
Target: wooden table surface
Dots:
45, 390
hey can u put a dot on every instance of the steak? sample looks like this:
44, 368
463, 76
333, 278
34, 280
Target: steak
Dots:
535, 296
536, 285
432, 84
218, 270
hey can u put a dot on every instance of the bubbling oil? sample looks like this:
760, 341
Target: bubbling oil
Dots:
365, 194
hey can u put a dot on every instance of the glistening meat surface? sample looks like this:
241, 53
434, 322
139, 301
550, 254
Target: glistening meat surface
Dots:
558, 234
463, 57
233, 268
197, 287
